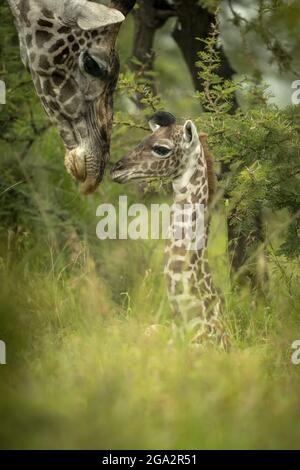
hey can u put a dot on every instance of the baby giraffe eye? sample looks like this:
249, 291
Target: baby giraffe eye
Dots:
161, 150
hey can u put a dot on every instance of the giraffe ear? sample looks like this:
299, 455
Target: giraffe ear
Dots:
94, 15
190, 133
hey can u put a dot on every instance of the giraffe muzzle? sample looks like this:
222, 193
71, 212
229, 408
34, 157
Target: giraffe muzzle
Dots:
118, 177
88, 169
120, 173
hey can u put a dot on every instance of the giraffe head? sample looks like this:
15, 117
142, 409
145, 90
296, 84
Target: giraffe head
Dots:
69, 48
167, 153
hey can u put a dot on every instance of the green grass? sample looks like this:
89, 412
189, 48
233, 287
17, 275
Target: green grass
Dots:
82, 369
82, 372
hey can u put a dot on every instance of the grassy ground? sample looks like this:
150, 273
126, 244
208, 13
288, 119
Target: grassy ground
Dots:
82, 373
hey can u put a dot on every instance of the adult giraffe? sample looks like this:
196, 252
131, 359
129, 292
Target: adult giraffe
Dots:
69, 48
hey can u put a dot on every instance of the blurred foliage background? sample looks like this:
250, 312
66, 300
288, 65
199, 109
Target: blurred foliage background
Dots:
81, 372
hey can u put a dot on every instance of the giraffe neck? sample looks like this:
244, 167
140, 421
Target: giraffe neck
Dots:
189, 281
191, 190
186, 268
51, 50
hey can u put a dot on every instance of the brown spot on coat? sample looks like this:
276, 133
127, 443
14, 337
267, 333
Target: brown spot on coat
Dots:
210, 166
42, 37
45, 23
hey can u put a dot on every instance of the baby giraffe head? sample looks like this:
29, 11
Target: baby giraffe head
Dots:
168, 152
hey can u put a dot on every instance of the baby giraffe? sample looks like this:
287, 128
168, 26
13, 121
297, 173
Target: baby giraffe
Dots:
180, 154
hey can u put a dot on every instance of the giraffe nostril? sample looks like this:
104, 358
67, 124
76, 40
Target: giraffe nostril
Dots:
117, 171
118, 166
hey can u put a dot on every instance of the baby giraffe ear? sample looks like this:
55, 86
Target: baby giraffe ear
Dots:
190, 133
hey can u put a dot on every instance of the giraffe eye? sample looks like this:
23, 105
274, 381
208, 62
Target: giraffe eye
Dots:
161, 150
92, 67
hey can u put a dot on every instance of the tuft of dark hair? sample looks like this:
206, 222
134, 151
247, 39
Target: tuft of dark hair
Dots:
163, 119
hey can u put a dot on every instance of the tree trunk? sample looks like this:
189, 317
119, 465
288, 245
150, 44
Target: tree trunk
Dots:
148, 18
193, 21
125, 6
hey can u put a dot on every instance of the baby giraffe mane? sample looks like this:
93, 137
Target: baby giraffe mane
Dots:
210, 167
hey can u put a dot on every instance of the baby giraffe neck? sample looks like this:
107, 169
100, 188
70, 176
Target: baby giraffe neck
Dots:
189, 281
